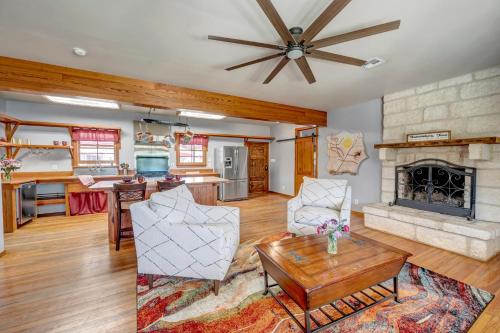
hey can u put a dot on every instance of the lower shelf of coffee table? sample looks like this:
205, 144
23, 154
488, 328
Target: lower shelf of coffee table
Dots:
309, 315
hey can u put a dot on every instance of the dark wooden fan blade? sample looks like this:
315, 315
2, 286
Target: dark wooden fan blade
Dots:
277, 69
305, 69
276, 20
256, 61
328, 14
246, 42
336, 57
377, 29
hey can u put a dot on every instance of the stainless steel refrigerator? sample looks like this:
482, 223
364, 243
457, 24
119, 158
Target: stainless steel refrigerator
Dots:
231, 163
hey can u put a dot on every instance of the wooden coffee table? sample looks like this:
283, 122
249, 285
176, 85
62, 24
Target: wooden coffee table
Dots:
312, 278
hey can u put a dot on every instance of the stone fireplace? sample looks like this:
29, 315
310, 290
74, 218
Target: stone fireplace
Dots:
437, 186
446, 196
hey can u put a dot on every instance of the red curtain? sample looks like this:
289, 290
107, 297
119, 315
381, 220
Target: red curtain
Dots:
92, 134
196, 140
88, 203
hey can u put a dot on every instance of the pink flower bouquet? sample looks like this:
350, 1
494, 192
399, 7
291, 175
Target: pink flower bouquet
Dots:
335, 230
8, 165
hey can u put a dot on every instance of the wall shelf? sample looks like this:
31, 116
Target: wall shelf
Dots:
12, 124
15, 148
444, 143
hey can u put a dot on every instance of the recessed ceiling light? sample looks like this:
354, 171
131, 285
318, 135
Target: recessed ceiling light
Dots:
199, 114
82, 101
79, 51
373, 62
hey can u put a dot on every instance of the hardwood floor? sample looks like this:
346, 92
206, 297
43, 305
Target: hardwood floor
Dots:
60, 275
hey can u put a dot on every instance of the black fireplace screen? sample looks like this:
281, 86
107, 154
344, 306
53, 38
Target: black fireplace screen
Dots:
437, 186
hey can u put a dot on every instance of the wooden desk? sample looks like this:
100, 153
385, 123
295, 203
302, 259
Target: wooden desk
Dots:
204, 190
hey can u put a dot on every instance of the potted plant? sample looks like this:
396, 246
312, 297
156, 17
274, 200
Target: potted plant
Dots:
124, 166
334, 230
8, 165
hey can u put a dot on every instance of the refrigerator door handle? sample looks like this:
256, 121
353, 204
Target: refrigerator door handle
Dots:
237, 162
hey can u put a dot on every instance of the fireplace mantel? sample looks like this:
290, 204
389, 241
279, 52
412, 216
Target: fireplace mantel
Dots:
445, 143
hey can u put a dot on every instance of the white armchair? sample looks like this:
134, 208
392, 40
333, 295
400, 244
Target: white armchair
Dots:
319, 200
177, 237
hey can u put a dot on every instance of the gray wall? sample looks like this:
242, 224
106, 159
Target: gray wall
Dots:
59, 160
282, 159
365, 118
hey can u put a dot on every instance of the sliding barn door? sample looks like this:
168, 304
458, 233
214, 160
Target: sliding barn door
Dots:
306, 157
258, 166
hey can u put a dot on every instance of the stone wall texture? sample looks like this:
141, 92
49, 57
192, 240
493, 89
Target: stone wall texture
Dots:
469, 106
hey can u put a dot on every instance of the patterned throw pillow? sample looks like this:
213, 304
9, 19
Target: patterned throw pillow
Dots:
172, 204
328, 193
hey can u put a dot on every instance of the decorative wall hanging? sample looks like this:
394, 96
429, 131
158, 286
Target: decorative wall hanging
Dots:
346, 151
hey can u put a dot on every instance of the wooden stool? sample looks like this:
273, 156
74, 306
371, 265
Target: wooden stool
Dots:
165, 185
125, 195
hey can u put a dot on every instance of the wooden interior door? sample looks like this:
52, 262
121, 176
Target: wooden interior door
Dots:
258, 166
306, 157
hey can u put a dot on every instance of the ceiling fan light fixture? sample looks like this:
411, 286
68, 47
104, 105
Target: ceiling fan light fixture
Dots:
294, 52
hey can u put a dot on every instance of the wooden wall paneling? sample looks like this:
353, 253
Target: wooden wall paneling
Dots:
34, 77
9, 209
66, 200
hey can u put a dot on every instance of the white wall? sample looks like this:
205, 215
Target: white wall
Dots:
365, 118
282, 159
61, 160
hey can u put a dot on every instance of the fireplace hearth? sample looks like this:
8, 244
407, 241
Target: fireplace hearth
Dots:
437, 186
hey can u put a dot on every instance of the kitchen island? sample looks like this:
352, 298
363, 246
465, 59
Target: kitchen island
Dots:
70, 181
204, 190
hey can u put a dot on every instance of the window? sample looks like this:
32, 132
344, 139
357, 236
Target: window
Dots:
193, 153
96, 146
97, 152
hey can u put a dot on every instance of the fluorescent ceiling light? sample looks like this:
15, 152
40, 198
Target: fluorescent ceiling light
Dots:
198, 114
82, 101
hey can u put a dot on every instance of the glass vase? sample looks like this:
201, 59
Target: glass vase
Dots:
7, 176
332, 243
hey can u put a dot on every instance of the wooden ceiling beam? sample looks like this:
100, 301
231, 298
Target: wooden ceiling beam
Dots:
33, 77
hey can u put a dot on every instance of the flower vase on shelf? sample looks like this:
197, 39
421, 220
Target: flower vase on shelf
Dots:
332, 243
7, 176
8, 165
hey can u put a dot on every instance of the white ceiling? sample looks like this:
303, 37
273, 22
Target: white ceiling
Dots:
166, 41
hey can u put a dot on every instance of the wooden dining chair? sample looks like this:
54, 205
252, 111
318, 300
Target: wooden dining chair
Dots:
125, 195
165, 185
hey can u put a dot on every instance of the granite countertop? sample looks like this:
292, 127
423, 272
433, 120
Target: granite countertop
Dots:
55, 179
106, 185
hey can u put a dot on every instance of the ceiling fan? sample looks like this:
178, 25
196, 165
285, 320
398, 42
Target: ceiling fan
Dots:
299, 44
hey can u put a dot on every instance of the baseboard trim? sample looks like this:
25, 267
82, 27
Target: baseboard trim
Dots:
282, 194
51, 214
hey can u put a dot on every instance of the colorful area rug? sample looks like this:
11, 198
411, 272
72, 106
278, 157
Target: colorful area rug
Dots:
430, 302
